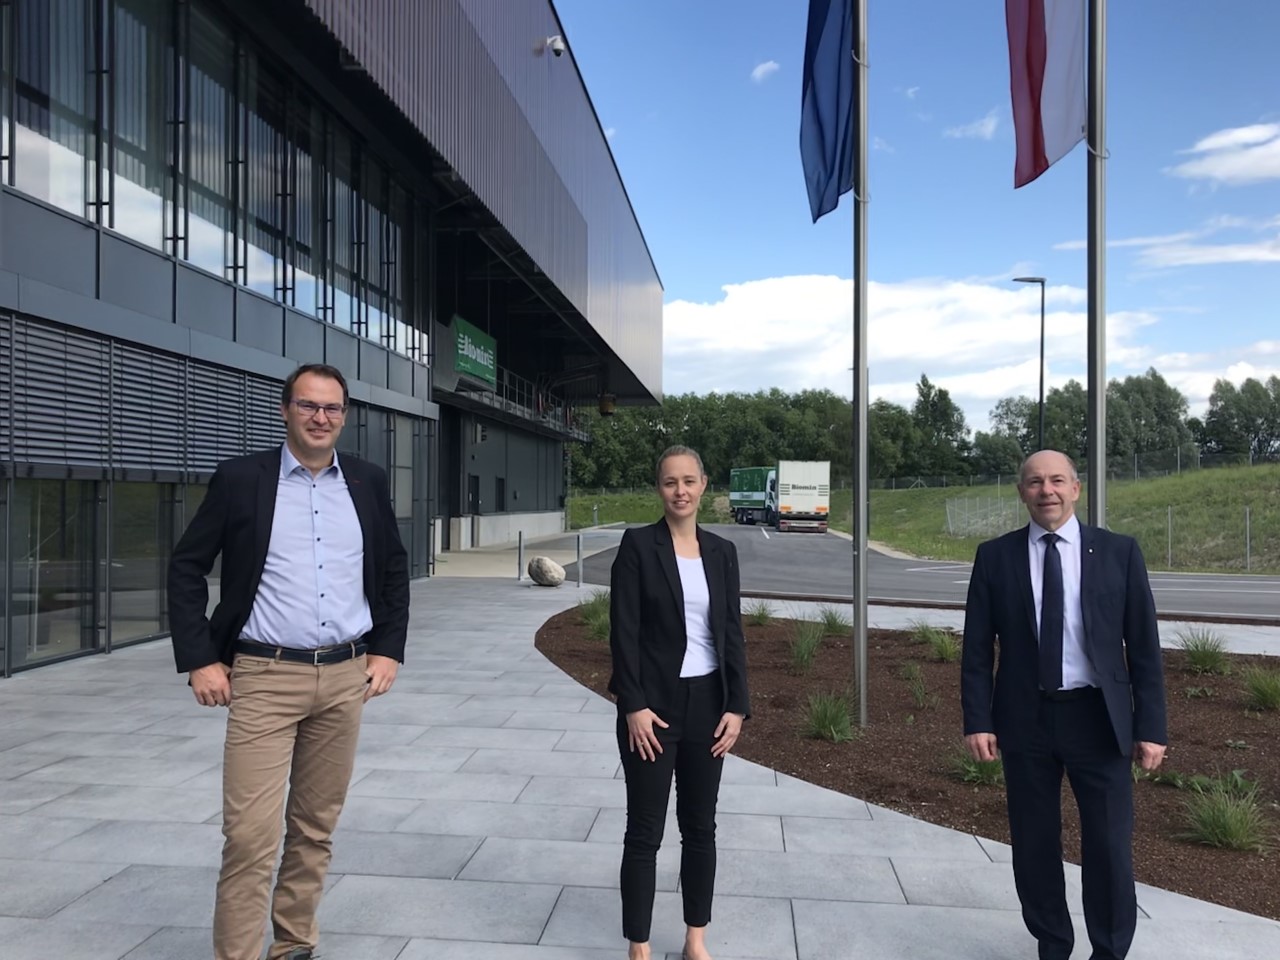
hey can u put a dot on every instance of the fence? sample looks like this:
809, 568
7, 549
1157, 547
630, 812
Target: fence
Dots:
1199, 536
1138, 466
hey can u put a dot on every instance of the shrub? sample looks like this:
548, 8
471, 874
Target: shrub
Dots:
828, 717
759, 613
945, 646
916, 686
1226, 816
986, 773
1262, 688
595, 615
1206, 651
834, 621
804, 645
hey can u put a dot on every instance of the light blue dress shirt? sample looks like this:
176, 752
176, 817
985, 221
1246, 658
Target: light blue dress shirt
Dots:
312, 589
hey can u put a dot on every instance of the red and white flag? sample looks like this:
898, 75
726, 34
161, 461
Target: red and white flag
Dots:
1046, 74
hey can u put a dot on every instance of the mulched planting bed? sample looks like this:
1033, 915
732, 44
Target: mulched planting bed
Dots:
904, 759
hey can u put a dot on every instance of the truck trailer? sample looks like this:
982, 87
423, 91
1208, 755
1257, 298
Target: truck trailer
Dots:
804, 495
794, 495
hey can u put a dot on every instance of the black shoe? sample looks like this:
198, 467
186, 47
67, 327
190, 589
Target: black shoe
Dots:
301, 953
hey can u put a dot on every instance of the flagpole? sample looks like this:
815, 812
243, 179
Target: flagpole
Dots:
860, 378
1096, 427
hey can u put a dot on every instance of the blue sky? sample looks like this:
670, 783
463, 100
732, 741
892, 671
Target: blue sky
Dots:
701, 99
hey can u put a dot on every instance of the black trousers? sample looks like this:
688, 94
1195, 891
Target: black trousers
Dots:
686, 752
1075, 736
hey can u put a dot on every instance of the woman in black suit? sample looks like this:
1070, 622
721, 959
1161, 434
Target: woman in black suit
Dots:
680, 678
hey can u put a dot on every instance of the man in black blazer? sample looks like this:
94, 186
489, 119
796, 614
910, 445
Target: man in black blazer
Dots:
1079, 687
310, 623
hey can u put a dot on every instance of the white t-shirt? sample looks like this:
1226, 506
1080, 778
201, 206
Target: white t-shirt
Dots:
700, 649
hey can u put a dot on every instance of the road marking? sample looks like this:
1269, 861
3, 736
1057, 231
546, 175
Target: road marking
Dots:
1206, 590
766, 533
965, 582
1257, 582
940, 568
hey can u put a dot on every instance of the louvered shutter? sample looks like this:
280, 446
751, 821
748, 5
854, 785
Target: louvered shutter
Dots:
60, 395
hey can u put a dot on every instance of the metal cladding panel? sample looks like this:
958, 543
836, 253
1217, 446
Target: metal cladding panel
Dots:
517, 126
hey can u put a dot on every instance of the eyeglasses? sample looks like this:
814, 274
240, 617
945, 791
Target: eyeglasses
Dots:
334, 411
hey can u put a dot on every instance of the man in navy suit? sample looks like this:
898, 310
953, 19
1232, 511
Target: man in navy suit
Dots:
1079, 687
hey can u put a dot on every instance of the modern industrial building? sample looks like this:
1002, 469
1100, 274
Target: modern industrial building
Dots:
198, 195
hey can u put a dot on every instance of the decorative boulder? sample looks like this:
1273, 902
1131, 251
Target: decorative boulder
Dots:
545, 572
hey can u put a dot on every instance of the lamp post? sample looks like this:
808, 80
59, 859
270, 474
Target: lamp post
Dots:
1039, 280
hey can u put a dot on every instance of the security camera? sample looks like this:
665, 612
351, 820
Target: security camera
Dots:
557, 45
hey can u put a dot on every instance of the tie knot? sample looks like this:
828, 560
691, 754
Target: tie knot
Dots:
1050, 539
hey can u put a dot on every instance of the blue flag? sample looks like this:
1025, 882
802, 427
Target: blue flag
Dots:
826, 118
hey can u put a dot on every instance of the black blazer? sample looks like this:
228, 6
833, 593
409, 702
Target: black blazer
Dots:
1120, 636
647, 626
235, 520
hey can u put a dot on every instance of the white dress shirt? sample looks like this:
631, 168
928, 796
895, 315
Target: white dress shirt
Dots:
312, 589
1077, 671
700, 648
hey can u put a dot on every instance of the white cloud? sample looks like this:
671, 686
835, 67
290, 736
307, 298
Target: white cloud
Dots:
983, 129
879, 143
1130, 241
1184, 248
1200, 254
610, 132
978, 339
1236, 156
764, 71
911, 92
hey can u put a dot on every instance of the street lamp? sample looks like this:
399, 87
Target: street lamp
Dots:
1039, 280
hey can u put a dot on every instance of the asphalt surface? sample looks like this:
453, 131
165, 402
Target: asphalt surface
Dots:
821, 565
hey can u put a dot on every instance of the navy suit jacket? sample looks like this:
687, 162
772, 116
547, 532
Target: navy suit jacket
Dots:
1120, 639
235, 520
647, 625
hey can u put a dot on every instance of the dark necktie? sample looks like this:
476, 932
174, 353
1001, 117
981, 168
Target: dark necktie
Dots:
1051, 615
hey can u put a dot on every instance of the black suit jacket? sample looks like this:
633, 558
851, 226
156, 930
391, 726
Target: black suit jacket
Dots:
235, 520
1120, 638
647, 625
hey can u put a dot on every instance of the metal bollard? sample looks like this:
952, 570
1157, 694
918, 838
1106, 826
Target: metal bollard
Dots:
1248, 540
520, 555
595, 514
579, 561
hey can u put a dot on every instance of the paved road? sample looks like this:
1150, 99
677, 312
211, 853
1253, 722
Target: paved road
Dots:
816, 565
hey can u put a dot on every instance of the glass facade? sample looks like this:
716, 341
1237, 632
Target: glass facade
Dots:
164, 122
159, 120
55, 547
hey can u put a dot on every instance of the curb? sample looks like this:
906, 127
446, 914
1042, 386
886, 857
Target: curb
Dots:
1228, 619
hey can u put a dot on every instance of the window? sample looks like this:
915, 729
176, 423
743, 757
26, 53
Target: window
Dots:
342, 214
54, 551
402, 480
141, 197
6, 92
53, 141
262, 181
142, 523
307, 217
207, 162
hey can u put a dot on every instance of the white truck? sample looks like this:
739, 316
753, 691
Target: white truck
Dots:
803, 495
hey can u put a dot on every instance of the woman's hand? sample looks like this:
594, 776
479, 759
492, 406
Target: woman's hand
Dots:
640, 734
726, 734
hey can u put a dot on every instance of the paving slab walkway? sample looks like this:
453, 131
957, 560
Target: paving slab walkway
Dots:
484, 823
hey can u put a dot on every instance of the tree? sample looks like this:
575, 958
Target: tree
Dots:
1157, 412
1066, 412
892, 439
944, 437
995, 455
1017, 418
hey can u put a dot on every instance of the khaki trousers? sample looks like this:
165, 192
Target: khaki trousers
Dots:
291, 725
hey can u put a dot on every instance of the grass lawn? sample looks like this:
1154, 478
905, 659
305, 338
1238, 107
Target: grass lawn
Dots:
1208, 529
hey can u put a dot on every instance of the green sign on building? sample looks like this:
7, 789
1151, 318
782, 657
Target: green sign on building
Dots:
477, 353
